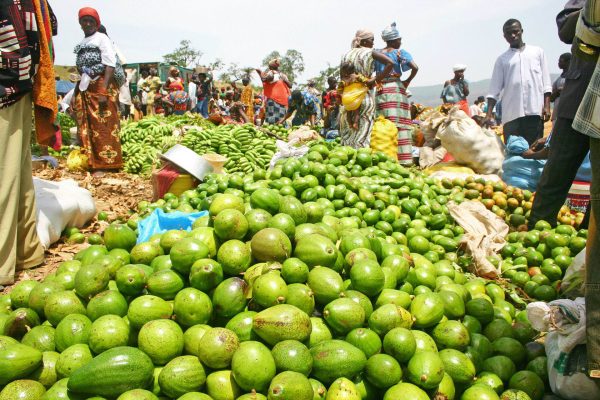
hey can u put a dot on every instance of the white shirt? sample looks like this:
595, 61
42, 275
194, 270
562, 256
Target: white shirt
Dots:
192, 88
475, 110
124, 92
65, 103
520, 79
103, 42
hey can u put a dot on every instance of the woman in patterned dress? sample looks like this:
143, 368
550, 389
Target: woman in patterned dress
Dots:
96, 95
362, 56
392, 101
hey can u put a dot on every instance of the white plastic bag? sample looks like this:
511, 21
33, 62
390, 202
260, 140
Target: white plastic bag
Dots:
286, 150
564, 320
573, 283
484, 235
60, 204
469, 144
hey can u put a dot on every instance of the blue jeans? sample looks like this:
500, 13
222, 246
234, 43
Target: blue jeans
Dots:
592, 284
202, 107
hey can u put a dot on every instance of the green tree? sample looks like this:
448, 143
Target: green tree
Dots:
184, 55
234, 73
292, 63
321, 79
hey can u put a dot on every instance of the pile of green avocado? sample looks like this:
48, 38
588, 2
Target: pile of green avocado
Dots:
336, 276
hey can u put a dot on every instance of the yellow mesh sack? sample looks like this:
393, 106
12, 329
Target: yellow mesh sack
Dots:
384, 137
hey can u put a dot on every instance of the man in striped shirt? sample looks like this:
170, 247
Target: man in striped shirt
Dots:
587, 121
26, 27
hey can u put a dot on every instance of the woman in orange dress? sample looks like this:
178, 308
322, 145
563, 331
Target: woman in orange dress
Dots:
97, 94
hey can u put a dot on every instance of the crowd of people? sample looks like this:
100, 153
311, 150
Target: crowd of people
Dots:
371, 82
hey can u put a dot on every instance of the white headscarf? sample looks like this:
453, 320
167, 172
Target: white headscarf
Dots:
390, 33
361, 35
459, 67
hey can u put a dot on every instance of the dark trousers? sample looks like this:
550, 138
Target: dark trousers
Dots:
592, 284
530, 127
568, 149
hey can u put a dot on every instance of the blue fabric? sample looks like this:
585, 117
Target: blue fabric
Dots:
202, 107
516, 145
160, 222
54, 162
401, 59
518, 171
309, 105
585, 171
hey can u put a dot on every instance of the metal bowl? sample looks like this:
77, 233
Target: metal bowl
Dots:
188, 160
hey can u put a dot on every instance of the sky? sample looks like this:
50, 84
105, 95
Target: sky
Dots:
438, 33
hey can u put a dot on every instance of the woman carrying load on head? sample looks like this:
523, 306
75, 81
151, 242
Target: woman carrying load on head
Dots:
392, 100
277, 91
362, 57
96, 95
456, 89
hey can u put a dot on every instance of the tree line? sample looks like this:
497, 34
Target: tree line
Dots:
292, 64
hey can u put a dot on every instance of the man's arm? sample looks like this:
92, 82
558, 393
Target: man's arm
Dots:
567, 19
547, 85
466, 90
588, 25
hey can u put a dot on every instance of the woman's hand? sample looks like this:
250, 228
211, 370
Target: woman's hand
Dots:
102, 103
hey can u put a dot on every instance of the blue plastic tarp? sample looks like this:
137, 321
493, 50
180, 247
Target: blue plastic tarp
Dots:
160, 222
64, 87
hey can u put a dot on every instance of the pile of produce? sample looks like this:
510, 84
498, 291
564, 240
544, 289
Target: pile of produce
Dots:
66, 123
142, 141
508, 202
334, 277
246, 146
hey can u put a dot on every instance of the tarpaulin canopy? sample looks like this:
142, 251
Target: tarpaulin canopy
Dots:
64, 87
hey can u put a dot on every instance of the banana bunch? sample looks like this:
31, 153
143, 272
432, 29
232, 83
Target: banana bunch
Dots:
139, 158
141, 142
246, 147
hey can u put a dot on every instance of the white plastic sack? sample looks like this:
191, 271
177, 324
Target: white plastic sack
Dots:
569, 385
469, 144
430, 126
60, 204
564, 320
286, 150
429, 157
573, 283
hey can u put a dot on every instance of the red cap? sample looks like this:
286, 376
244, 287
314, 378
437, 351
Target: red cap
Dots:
89, 12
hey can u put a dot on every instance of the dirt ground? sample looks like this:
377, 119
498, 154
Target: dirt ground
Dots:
115, 193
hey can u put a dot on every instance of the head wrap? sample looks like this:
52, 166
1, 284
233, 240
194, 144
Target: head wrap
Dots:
361, 35
459, 67
89, 12
274, 63
390, 33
